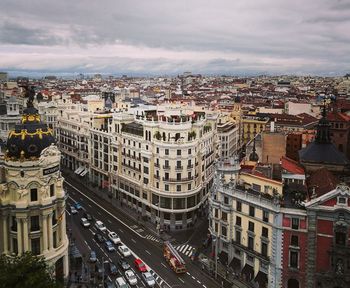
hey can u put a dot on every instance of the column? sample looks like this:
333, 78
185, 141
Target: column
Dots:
5, 232
25, 234
19, 236
45, 247
63, 225
50, 232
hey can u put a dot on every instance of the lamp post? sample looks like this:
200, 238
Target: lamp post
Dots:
157, 217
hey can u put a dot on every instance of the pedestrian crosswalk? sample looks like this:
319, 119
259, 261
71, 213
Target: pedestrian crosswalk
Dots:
152, 238
185, 249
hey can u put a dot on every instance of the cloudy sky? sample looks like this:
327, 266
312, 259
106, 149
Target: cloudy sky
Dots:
172, 36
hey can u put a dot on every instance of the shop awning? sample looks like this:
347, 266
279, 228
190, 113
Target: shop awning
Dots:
261, 279
85, 171
79, 170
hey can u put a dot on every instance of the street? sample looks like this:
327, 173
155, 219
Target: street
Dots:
142, 244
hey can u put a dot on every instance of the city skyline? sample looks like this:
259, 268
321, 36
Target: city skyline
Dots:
156, 38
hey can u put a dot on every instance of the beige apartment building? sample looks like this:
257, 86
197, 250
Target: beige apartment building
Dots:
163, 164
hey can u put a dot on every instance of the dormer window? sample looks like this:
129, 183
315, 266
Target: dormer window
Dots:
342, 200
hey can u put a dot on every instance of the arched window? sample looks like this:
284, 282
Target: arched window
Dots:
293, 283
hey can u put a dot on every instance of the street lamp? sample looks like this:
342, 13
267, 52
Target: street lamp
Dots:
158, 216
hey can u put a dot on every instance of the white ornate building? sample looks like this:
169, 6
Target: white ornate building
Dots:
32, 199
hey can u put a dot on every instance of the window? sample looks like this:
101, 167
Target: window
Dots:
340, 238
52, 190
251, 243
251, 211
33, 194
189, 186
239, 206
54, 218
178, 188
157, 185
295, 223
224, 216
265, 216
15, 245
178, 176
251, 226
145, 180
54, 238
144, 195
225, 200
157, 150
145, 170
224, 231
166, 176
341, 200
238, 221
166, 163
293, 259
189, 151
178, 164
34, 223
265, 232
166, 152
216, 213
14, 224
238, 237
178, 152
35, 246
294, 241
264, 249
166, 187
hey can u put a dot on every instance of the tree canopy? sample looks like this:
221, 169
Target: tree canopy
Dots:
24, 271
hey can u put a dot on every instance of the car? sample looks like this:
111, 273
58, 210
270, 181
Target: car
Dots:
112, 268
114, 237
131, 277
73, 210
100, 226
149, 279
125, 251
109, 246
99, 238
93, 257
109, 284
140, 265
78, 206
122, 263
88, 217
85, 222
99, 269
121, 283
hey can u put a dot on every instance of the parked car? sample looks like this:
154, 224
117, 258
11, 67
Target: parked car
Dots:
109, 284
109, 246
121, 283
123, 264
112, 268
140, 265
114, 237
131, 277
125, 251
78, 206
88, 217
100, 226
149, 279
99, 238
93, 257
73, 210
85, 222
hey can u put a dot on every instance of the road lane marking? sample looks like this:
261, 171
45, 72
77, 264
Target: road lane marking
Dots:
98, 212
133, 240
81, 199
163, 264
193, 278
181, 280
98, 205
68, 212
199, 282
188, 273
204, 286
109, 221
148, 252
121, 230
87, 244
89, 205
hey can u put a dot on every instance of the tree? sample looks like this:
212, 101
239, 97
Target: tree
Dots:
24, 271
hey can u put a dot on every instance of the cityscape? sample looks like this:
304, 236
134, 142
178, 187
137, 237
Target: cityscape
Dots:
189, 144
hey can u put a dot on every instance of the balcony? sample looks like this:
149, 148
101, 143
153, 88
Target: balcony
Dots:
157, 177
156, 165
178, 168
166, 167
178, 180
190, 166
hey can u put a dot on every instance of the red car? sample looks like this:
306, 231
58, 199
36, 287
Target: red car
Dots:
140, 265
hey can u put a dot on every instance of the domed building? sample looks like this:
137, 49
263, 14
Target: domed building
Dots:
32, 199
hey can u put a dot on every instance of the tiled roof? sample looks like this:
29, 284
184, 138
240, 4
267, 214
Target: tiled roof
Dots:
323, 181
291, 166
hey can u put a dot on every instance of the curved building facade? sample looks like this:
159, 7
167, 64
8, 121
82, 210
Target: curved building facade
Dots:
32, 199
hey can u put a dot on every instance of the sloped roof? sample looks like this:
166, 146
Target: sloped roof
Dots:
323, 180
291, 166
